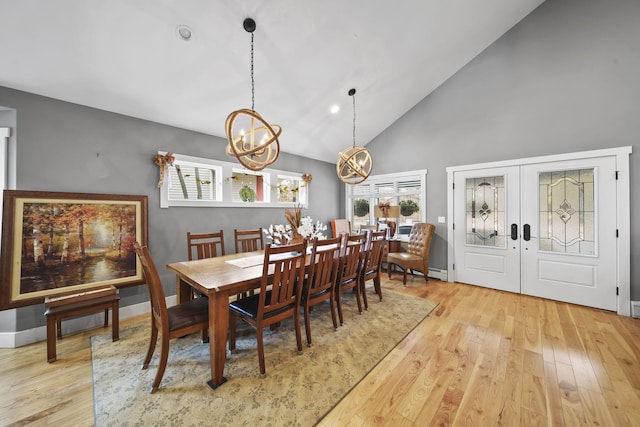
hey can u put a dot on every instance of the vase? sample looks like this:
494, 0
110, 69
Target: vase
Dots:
296, 239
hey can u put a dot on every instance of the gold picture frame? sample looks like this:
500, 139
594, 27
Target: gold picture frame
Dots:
56, 243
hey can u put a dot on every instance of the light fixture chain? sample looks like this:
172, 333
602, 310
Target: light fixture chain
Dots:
253, 92
354, 120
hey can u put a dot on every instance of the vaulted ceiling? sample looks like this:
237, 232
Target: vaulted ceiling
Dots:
126, 56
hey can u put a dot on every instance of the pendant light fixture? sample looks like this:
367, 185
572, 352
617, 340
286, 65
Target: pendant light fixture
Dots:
354, 163
252, 140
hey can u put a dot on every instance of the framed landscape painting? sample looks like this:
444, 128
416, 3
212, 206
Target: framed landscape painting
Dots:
61, 243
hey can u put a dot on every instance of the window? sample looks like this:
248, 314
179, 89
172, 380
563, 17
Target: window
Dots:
405, 189
196, 181
193, 181
291, 189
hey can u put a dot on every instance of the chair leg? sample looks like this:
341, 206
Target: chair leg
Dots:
164, 355
263, 368
307, 324
332, 301
232, 332
357, 288
363, 290
404, 277
376, 285
339, 305
296, 321
152, 346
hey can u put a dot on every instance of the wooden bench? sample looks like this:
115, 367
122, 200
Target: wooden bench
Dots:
89, 302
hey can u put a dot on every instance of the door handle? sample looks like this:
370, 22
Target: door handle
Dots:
526, 232
514, 231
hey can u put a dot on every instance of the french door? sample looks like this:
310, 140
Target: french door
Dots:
543, 229
486, 204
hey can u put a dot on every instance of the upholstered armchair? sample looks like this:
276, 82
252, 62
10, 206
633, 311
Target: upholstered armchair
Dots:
417, 255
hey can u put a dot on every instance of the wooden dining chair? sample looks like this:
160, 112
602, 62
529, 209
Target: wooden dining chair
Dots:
369, 227
248, 240
371, 265
283, 273
417, 255
376, 235
320, 284
351, 264
173, 322
205, 245
340, 226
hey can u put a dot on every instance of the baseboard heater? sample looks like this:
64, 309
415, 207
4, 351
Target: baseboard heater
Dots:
635, 309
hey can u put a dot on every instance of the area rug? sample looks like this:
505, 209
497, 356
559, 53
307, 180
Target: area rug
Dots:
297, 391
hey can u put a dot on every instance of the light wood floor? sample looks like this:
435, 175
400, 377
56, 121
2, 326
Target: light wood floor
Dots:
483, 357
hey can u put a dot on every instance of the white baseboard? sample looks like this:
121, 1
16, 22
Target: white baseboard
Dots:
439, 274
29, 336
635, 309
433, 273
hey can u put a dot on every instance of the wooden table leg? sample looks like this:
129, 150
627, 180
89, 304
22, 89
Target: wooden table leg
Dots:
218, 326
183, 291
115, 321
51, 338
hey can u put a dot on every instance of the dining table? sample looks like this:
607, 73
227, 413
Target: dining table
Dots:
218, 278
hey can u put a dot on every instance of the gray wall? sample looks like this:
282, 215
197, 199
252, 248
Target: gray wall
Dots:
68, 147
564, 79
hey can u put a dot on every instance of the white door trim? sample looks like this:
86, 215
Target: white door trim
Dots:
623, 208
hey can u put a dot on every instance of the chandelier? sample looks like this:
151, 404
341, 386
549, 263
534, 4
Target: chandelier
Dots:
252, 140
354, 163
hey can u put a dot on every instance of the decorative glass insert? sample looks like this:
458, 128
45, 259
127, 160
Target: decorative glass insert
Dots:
485, 211
567, 214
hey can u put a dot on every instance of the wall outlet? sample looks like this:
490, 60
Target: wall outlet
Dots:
441, 220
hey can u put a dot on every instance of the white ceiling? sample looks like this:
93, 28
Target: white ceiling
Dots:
125, 56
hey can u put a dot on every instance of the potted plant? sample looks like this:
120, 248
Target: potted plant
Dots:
247, 194
408, 207
360, 207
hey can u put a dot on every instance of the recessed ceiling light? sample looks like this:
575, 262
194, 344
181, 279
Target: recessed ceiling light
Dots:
184, 32
334, 109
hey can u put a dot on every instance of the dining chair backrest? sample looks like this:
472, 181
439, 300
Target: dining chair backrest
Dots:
283, 291
369, 227
340, 227
151, 276
373, 255
324, 271
350, 255
248, 240
205, 245
376, 235
353, 239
